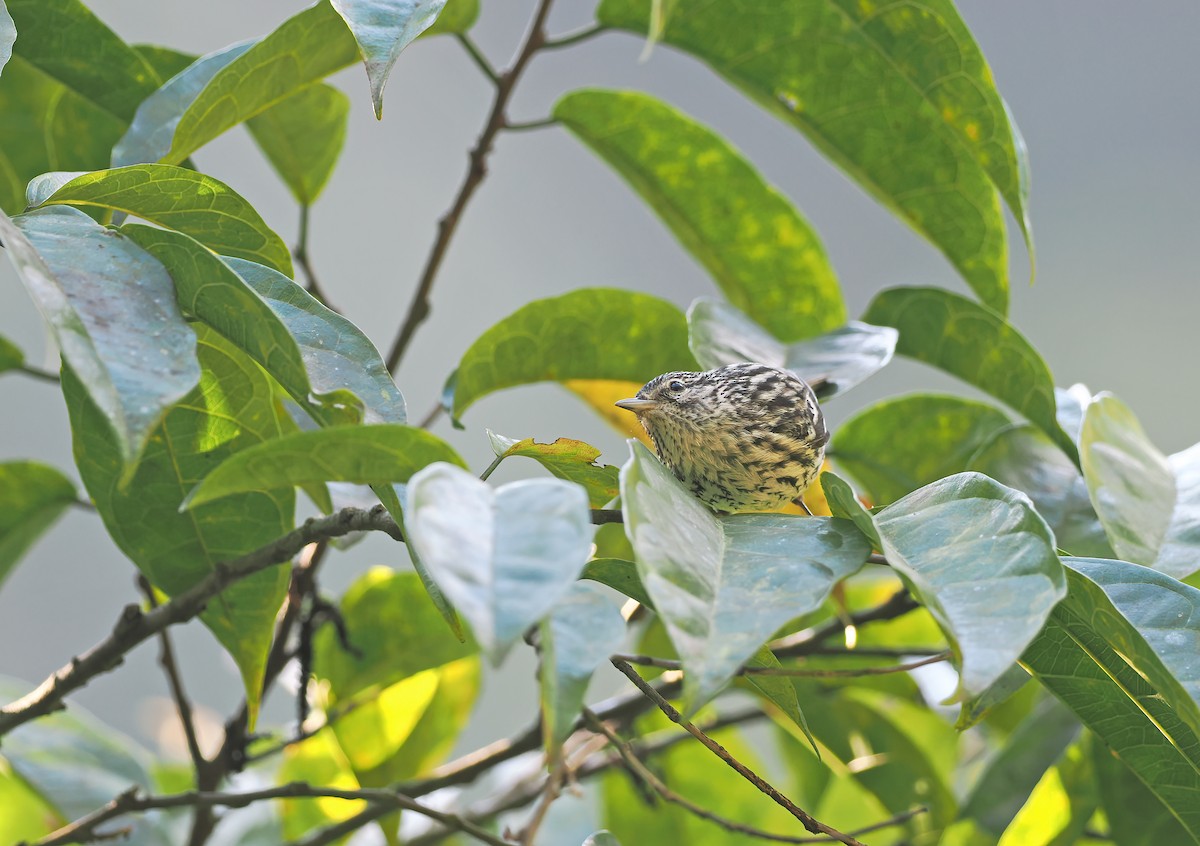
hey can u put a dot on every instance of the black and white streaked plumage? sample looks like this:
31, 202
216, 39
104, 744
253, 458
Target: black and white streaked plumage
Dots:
745, 437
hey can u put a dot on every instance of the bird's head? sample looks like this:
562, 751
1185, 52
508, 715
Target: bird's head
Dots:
676, 397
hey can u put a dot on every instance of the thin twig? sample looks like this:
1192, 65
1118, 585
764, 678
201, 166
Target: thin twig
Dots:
478, 58
525, 126
806, 672
807, 820
300, 254
134, 627
131, 801
574, 37
183, 705
38, 373
418, 309
432, 417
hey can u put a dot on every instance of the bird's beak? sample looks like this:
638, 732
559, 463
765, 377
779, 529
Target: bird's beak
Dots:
637, 406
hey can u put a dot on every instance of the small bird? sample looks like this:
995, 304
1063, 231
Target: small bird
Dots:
745, 437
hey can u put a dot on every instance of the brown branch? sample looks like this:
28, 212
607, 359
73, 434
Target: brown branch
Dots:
133, 627
805, 672
131, 801
808, 821
419, 307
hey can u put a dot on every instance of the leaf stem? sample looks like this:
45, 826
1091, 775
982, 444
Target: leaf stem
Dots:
38, 373
477, 57
575, 37
300, 254
528, 125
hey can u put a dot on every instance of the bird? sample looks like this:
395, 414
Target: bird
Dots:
744, 437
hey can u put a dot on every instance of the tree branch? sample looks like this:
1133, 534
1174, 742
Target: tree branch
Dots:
418, 309
805, 672
133, 627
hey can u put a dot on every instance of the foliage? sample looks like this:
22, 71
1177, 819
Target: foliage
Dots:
1046, 550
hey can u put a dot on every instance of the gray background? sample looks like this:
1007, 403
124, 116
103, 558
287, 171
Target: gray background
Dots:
1104, 92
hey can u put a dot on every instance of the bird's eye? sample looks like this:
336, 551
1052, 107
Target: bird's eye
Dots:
675, 386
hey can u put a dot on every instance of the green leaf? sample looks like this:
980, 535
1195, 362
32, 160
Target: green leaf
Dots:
1135, 815
778, 690
719, 334
302, 137
184, 200
111, 310
382, 29
457, 17
365, 455
975, 344
336, 353
304, 49
1148, 504
32, 496
978, 556
1023, 457
231, 410
868, 90
65, 41
845, 504
1092, 656
760, 251
621, 576
723, 586
1071, 404
582, 631
601, 838
901, 444
165, 61
567, 459
503, 557
11, 356
77, 763
318, 760
396, 632
1060, 805
592, 333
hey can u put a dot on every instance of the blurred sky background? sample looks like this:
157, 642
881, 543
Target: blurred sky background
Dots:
1105, 93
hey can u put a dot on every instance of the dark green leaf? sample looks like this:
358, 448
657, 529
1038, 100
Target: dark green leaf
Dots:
1092, 656
11, 355
111, 310
397, 633
778, 690
337, 355
593, 333
65, 41
582, 631
1135, 815
719, 334
1023, 457
184, 200
999, 692
621, 576
567, 459
365, 455
382, 29
978, 556
844, 503
898, 445
32, 496
302, 137
1148, 504
457, 17
232, 409
165, 61
302, 50
759, 250
723, 586
975, 344
867, 88
503, 557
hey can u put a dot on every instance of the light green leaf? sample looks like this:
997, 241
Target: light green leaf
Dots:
592, 333
1071, 404
1135, 815
111, 310
457, 17
866, 87
365, 455
67, 42
1148, 504
978, 556
1060, 805
582, 631
232, 409
601, 838
337, 355
11, 356
898, 445
396, 632
304, 49
382, 29
8, 34
975, 344
760, 251
1023, 457
302, 138
719, 334
1092, 656
184, 200
503, 557
567, 459
77, 764
723, 586
32, 496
